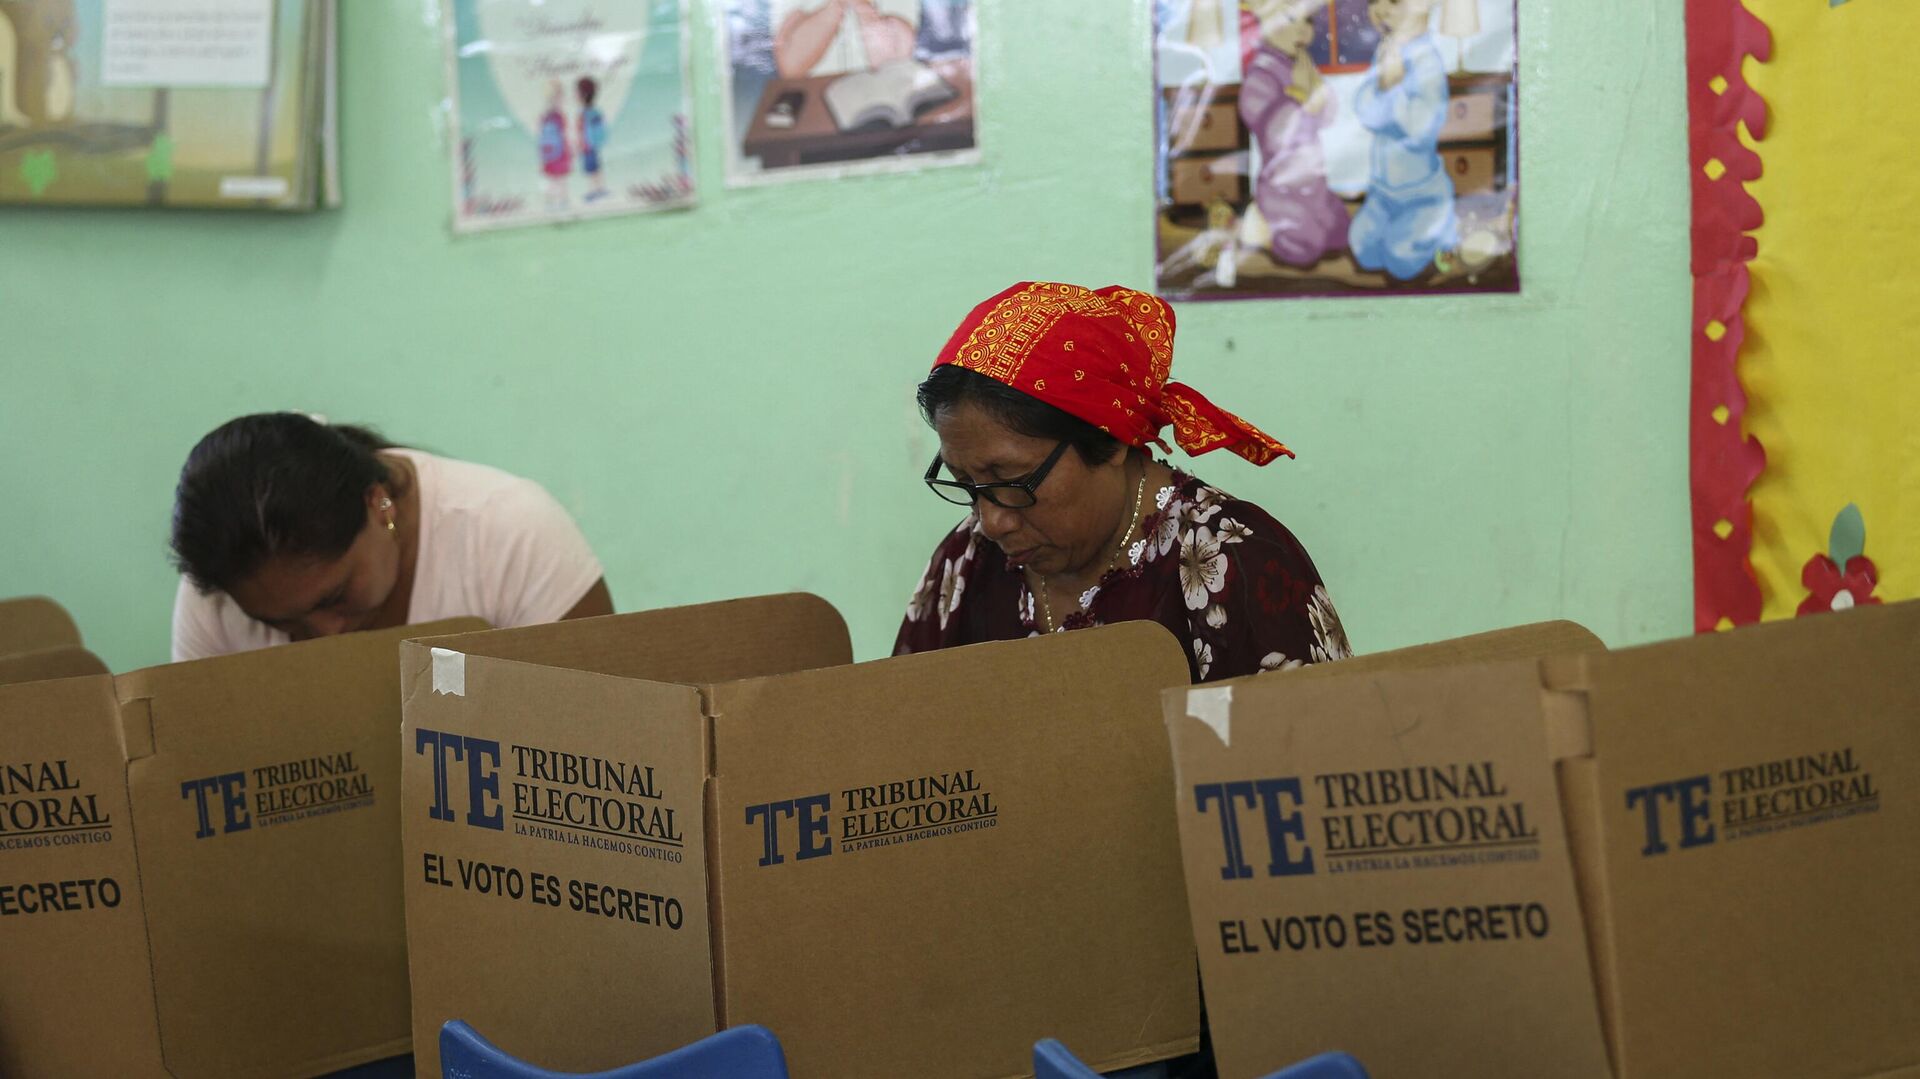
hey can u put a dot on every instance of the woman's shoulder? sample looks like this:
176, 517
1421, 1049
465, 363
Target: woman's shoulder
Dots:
484, 498
1255, 599
474, 514
1191, 503
451, 483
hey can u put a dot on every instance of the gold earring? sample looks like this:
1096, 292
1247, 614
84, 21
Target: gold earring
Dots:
387, 504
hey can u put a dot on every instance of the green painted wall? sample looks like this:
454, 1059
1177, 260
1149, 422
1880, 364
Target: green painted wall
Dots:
723, 396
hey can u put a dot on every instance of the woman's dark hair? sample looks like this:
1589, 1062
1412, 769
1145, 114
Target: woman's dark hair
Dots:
267, 485
587, 88
950, 386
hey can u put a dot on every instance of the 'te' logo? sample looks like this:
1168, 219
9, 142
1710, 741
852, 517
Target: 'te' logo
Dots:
1695, 811
233, 802
1281, 825
483, 779
812, 814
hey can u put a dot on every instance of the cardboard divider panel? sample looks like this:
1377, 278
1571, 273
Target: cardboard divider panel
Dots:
246, 809
34, 623
622, 834
65, 661
1378, 854
1732, 810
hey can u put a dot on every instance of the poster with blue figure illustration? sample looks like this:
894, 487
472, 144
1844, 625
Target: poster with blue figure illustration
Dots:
567, 109
1335, 147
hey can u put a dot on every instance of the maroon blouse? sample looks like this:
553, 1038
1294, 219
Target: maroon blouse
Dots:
1225, 578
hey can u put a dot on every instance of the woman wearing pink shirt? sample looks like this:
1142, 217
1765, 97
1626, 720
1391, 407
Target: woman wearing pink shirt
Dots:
287, 528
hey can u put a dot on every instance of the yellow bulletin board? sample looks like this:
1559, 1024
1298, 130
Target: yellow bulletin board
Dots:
1806, 458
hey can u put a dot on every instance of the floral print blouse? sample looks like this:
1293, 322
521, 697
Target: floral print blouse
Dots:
1225, 578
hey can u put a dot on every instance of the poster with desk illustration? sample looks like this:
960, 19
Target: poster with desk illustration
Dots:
1335, 148
831, 87
567, 109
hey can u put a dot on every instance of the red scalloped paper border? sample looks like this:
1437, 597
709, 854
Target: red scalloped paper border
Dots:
1721, 34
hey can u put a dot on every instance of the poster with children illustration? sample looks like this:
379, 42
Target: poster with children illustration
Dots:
1335, 147
567, 109
818, 88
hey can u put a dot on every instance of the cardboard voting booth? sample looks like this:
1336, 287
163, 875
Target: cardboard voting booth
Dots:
1745, 825
627, 832
1334, 910
1691, 858
76, 992
63, 662
35, 623
200, 863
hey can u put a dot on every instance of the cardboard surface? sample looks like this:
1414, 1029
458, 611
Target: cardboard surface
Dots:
1377, 855
1758, 828
706, 642
75, 995
34, 623
1519, 642
65, 661
524, 926
526, 893
1053, 908
259, 929
1735, 820
914, 866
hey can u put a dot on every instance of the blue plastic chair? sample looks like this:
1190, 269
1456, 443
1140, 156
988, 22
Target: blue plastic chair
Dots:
745, 1052
1051, 1060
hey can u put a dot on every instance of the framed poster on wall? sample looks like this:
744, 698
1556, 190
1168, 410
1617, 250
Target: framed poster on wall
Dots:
213, 104
1335, 147
567, 109
820, 88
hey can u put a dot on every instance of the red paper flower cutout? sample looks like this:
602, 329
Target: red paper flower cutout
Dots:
1829, 589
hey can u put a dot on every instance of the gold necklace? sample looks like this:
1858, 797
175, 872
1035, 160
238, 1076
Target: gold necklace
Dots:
1139, 491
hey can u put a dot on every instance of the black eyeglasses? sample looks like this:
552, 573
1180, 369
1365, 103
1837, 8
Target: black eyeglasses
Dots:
1011, 495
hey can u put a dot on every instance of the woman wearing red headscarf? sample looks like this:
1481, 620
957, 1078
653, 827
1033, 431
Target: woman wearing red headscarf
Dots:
1044, 400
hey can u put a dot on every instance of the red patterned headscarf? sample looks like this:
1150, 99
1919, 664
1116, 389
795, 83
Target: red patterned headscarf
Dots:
1103, 355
